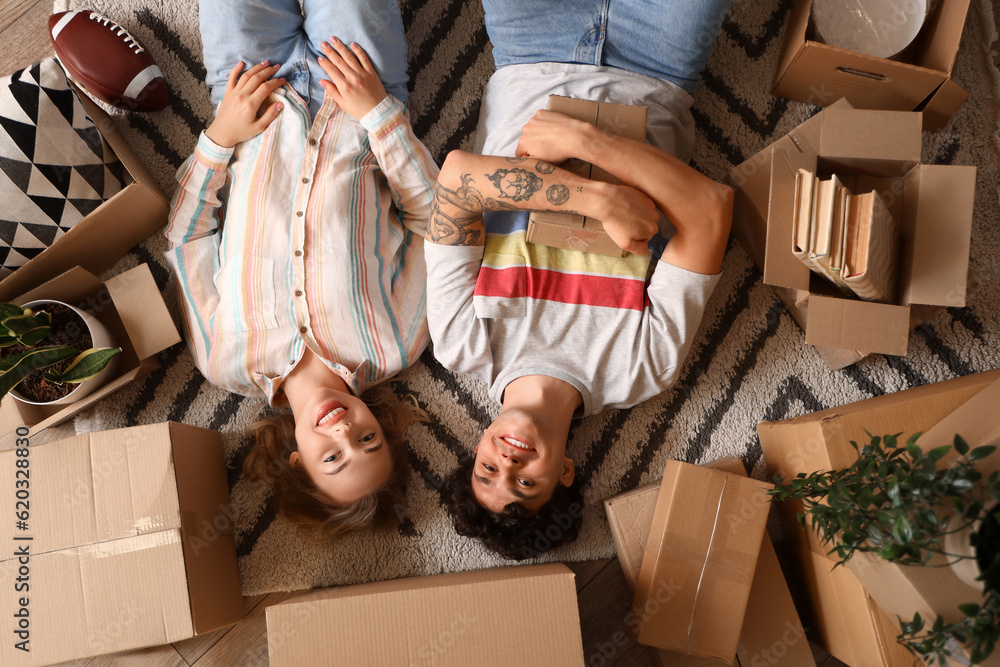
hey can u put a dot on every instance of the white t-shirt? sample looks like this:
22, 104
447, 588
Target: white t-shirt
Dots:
512, 308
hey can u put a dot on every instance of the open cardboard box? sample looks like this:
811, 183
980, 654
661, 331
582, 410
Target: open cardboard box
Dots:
128, 543
771, 633
525, 615
906, 589
817, 73
821, 441
577, 232
130, 306
933, 205
699, 561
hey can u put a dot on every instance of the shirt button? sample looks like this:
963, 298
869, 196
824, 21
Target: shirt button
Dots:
303, 329
305, 180
298, 292
298, 253
299, 213
312, 142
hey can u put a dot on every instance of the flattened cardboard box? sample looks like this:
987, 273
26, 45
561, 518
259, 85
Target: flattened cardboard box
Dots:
101, 238
816, 73
772, 633
699, 560
129, 543
131, 306
868, 150
569, 230
524, 615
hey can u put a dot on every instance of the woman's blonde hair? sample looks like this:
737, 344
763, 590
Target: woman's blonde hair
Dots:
300, 502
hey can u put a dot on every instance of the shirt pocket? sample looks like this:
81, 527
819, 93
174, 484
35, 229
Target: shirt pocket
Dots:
248, 301
502, 287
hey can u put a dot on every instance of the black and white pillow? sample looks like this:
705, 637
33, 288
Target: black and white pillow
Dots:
55, 167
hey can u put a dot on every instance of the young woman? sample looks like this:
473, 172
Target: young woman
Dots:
296, 241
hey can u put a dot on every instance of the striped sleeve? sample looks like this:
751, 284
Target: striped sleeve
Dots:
406, 162
193, 238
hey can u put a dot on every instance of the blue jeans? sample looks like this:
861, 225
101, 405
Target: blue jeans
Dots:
666, 39
278, 31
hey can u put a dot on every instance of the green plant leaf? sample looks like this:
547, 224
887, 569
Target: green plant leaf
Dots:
961, 446
970, 609
18, 367
29, 328
913, 450
981, 452
939, 453
86, 365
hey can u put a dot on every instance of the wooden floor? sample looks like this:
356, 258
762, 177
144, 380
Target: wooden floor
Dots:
604, 598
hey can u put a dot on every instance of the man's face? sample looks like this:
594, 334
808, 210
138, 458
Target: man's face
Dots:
519, 461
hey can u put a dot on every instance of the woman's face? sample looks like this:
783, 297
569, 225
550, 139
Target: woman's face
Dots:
341, 445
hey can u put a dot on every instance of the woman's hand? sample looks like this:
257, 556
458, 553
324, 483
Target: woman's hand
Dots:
239, 116
354, 85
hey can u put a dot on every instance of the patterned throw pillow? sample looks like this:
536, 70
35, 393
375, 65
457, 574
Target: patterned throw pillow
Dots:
55, 167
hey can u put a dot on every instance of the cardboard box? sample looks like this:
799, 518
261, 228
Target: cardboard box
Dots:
699, 561
576, 232
523, 615
848, 623
920, 80
821, 441
868, 150
128, 543
903, 590
130, 306
771, 632
101, 238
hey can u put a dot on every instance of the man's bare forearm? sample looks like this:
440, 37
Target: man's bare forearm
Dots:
470, 184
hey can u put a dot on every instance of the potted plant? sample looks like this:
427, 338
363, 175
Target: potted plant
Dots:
40, 352
897, 501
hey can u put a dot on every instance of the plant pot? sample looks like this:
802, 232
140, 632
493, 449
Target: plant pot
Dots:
969, 568
966, 569
100, 337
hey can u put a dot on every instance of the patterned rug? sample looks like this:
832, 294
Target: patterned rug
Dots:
748, 363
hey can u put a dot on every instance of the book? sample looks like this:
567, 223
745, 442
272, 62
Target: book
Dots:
802, 213
871, 249
823, 224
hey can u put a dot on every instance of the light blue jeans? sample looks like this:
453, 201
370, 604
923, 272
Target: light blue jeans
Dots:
666, 39
281, 32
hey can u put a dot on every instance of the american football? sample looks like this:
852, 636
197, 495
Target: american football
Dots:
107, 61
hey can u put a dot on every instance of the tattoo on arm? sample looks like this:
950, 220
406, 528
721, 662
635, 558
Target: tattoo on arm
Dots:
544, 167
557, 194
457, 215
515, 184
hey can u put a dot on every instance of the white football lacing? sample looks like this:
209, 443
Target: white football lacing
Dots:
130, 41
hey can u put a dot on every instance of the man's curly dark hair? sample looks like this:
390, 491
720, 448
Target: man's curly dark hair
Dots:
513, 533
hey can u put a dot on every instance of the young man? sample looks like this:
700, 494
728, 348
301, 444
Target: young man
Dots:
560, 334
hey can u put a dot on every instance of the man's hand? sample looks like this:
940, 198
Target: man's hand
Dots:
239, 117
553, 137
354, 85
630, 218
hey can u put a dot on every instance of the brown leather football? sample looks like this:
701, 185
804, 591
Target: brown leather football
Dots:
109, 62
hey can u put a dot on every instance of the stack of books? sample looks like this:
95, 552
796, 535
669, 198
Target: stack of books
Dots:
850, 239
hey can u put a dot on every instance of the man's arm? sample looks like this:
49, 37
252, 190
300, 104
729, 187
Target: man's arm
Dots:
700, 208
471, 184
